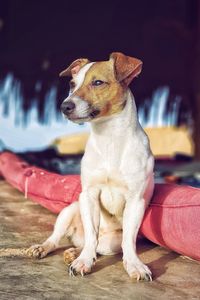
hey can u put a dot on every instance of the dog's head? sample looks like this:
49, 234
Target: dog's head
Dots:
97, 89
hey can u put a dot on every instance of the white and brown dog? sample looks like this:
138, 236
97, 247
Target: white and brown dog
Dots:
116, 170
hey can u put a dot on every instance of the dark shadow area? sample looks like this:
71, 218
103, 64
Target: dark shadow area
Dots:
51, 160
159, 266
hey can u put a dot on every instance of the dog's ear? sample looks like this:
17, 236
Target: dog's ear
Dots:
126, 67
75, 67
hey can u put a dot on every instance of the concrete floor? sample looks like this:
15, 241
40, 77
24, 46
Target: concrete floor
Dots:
24, 223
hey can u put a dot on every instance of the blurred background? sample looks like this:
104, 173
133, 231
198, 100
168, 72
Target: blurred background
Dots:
38, 39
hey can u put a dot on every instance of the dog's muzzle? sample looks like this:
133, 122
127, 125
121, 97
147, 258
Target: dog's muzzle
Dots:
67, 107
78, 110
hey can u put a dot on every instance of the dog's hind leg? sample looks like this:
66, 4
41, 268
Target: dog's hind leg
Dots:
76, 236
64, 226
71, 254
109, 243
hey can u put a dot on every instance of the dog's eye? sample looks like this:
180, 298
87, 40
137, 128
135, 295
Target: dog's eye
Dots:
97, 82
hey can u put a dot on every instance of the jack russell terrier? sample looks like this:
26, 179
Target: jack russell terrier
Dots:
116, 169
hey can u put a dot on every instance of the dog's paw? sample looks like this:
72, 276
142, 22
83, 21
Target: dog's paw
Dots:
137, 270
70, 255
81, 266
39, 251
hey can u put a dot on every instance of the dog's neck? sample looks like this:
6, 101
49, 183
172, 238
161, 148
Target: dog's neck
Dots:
118, 124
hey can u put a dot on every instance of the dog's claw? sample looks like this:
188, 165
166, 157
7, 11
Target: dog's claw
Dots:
78, 267
139, 277
138, 271
36, 251
40, 250
72, 271
148, 277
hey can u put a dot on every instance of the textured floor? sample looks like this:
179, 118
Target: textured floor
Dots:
24, 223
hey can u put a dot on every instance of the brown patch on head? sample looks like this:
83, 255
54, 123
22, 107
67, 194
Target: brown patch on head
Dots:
102, 92
126, 67
108, 97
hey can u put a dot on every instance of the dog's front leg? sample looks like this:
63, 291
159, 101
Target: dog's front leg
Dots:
90, 214
132, 218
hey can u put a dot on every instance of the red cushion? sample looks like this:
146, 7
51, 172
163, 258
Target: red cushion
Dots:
172, 219
51, 190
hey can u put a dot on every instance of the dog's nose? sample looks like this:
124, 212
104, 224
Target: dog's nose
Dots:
67, 107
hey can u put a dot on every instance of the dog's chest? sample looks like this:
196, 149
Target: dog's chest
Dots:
106, 165
112, 200
103, 168
112, 191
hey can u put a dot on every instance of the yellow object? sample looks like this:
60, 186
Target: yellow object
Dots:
164, 141
167, 141
71, 144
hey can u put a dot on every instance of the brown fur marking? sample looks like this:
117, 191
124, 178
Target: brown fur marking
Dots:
108, 97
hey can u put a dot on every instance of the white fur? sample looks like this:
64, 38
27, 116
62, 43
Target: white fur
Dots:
81, 110
79, 78
118, 149
117, 185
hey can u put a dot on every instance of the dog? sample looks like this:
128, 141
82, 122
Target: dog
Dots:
116, 169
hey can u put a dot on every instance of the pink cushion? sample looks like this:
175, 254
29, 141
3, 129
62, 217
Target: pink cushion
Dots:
172, 219
51, 190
